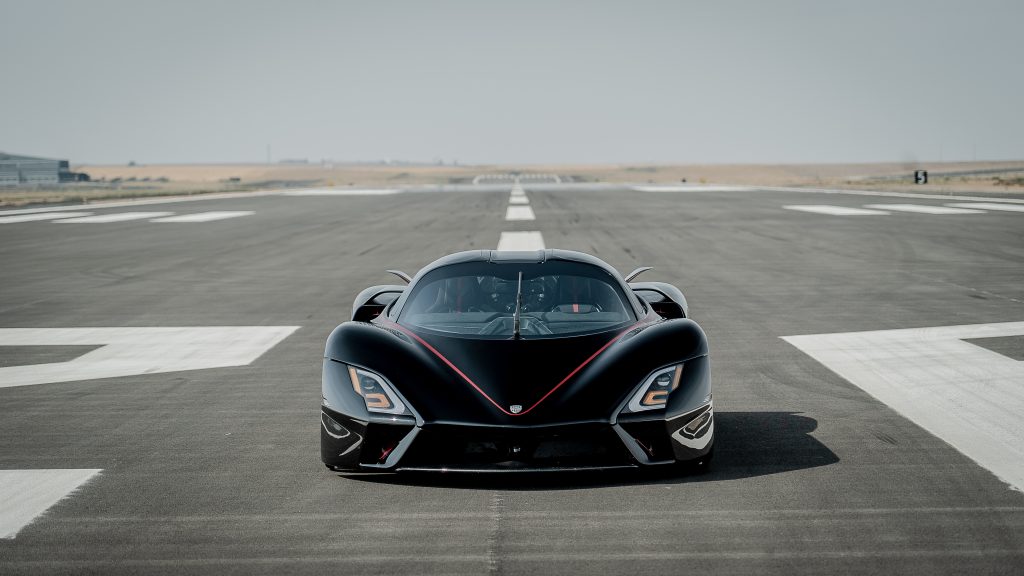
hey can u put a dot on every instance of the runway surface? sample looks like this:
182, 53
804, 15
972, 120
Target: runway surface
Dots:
206, 460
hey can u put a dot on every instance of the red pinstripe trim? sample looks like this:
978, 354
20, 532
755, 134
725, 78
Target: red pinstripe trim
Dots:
468, 380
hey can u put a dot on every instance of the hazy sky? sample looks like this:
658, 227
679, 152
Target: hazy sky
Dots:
511, 82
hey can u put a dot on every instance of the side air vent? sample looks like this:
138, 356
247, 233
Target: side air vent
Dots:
632, 333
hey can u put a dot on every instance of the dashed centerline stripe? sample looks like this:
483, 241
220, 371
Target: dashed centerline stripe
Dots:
519, 213
836, 210
205, 216
118, 217
521, 241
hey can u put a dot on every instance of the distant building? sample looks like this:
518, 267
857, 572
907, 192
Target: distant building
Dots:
22, 170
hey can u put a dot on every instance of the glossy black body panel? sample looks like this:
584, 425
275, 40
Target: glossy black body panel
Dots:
516, 371
552, 402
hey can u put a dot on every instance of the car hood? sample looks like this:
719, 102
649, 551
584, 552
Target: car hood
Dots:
516, 376
532, 381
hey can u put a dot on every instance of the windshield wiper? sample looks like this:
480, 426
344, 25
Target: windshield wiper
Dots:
519, 302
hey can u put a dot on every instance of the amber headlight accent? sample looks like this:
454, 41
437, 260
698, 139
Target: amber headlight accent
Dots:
653, 393
376, 392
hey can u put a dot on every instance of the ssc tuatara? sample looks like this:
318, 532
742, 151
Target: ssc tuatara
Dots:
495, 361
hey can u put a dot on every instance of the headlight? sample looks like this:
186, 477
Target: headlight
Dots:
653, 393
376, 392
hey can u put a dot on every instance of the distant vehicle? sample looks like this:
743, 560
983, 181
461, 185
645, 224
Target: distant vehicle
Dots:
495, 361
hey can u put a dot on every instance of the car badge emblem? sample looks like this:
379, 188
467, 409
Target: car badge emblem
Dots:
516, 408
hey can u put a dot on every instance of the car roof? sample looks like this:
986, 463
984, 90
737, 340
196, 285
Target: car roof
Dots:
518, 257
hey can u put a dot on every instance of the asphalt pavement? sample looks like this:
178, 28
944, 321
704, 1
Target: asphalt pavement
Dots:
217, 470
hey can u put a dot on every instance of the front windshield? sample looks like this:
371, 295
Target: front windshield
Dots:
479, 299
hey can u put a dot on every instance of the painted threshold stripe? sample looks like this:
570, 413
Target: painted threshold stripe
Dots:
116, 217
520, 241
519, 213
26, 494
205, 216
835, 210
942, 380
518, 199
41, 216
343, 192
914, 195
131, 351
989, 206
922, 209
149, 201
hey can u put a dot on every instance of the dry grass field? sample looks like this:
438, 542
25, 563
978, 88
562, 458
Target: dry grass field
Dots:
120, 181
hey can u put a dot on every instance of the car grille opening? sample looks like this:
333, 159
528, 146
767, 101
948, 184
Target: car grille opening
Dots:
471, 447
381, 440
652, 438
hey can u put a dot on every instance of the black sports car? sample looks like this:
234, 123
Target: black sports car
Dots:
504, 361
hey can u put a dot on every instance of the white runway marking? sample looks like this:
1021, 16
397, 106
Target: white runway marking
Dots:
41, 216
692, 188
116, 217
500, 177
343, 192
25, 494
923, 209
914, 195
836, 210
205, 216
521, 241
969, 396
150, 201
518, 199
519, 213
133, 351
989, 206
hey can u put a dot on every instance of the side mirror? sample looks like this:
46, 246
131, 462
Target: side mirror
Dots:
372, 302
662, 305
